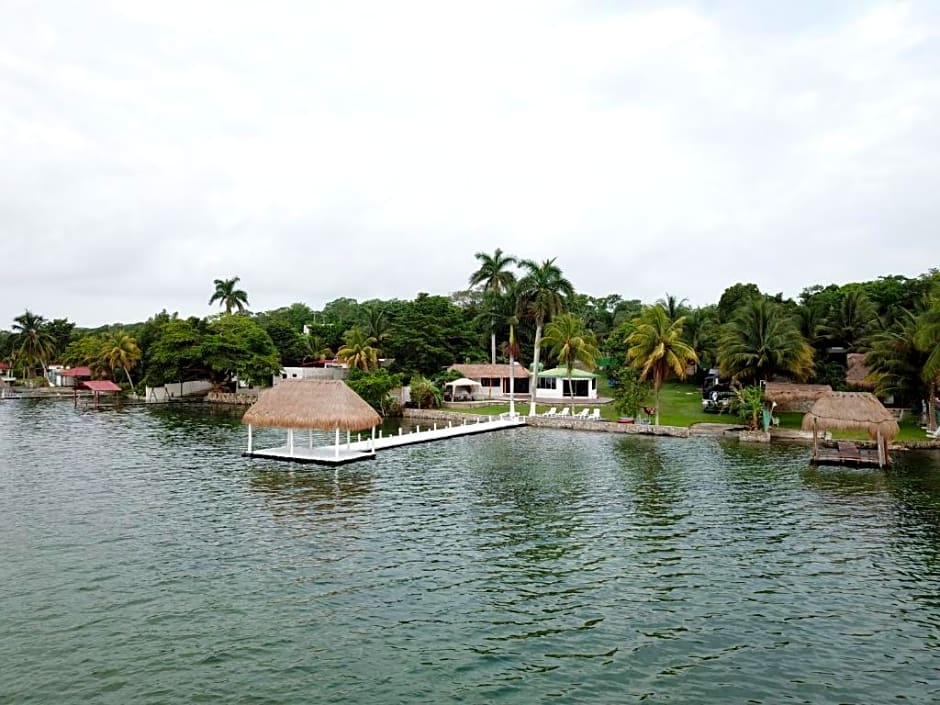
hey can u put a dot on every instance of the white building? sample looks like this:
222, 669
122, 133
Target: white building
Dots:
553, 384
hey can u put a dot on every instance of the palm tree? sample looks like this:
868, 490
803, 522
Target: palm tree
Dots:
33, 342
851, 321
927, 340
656, 348
120, 351
357, 350
675, 307
542, 293
495, 278
228, 296
375, 321
316, 347
570, 342
897, 360
761, 340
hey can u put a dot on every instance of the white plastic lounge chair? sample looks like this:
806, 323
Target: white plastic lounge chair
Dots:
551, 412
934, 434
595, 415
583, 414
564, 412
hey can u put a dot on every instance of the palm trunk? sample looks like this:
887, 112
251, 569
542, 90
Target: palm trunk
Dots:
492, 346
534, 379
656, 401
129, 380
932, 407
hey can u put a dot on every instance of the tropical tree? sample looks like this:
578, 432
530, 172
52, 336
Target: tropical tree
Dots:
569, 342
87, 351
542, 293
851, 321
657, 349
674, 306
120, 352
228, 296
762, 340
316, 347
357, 350
374, 321
495, 278
425, 393
927, 340
34, 344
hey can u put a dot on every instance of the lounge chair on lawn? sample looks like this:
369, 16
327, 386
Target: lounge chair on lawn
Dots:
551, 412
583, 414
595, 415
565, 411
934, 434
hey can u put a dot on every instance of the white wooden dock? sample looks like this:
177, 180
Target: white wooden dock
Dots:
356, 448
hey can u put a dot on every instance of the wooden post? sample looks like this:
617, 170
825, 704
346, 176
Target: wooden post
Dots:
815, 442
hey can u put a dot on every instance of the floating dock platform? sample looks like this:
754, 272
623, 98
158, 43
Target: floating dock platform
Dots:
355, 450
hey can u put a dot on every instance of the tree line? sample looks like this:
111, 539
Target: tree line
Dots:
530, 311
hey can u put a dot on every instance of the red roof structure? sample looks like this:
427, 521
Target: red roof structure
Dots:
101, 386
75, 372
4, 367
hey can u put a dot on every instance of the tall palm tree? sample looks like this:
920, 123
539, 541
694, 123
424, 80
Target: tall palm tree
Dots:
120, 351
657, 350
896, 359
542, 294
228, 296
34, 344
495, 278
762, 340
358, 350
316, 347
570, 342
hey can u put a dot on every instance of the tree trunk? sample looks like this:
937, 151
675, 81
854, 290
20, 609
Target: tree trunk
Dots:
655, 398
129, 380
492, 346
932, 407
535, 367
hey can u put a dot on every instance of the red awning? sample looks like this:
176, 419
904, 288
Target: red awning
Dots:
75, 372
101, 386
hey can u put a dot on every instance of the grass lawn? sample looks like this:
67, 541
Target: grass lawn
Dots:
681, 405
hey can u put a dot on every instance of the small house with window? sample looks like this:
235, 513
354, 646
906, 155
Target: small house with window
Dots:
494, 379
554, 384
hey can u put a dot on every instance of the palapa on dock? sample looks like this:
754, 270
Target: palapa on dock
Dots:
851, 411
324, 405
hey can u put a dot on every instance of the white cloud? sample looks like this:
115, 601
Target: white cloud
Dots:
369, 149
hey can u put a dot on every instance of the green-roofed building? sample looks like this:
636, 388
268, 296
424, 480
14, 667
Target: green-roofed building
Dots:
553, 384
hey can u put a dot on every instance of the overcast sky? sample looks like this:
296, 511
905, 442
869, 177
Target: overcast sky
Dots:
368, 149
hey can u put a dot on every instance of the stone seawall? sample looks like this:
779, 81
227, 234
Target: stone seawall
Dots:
240, 399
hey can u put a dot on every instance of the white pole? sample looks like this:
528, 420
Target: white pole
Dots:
347, 440
373, 440
290, 441
310, 437
249, 439
336, 446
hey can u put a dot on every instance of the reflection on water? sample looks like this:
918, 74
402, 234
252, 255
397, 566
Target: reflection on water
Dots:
149, 562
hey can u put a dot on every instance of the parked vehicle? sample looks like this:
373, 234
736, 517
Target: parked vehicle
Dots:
716, 395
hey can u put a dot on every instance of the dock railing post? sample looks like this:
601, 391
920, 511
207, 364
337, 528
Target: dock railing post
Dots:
249, 439
336, 445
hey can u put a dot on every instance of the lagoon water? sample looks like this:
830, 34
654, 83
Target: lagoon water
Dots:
143, 560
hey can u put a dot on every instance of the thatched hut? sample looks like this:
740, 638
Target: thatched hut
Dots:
853, 410
789, 396
324, 405
857, 373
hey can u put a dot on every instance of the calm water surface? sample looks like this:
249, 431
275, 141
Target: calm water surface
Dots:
142, 560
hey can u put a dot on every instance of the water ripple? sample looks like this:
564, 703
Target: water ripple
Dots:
146, 561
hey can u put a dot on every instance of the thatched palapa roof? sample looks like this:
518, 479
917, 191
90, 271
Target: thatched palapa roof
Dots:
788, 392
490, 371
323, 404
851, 410
857, 373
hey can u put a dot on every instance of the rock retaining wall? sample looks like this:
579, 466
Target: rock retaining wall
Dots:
241, 399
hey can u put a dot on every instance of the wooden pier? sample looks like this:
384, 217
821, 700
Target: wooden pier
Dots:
847, 453
357, 449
